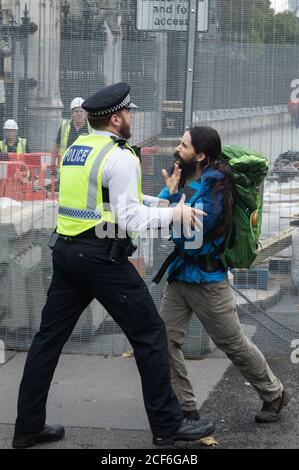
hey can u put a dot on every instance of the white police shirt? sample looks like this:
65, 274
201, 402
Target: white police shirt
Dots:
121, 175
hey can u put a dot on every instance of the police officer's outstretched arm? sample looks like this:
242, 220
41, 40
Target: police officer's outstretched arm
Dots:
122, 176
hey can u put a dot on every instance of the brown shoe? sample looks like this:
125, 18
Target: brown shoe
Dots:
270, 412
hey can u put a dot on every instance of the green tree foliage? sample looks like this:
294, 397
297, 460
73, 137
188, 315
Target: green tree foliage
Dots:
255, 21
286, 29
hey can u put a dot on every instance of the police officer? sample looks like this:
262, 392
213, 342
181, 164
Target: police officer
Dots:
12, 142
71, 129
100, 190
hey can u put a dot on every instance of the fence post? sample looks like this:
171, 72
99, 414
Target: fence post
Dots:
190, 64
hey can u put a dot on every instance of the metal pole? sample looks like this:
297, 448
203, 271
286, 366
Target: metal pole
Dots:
190, 64
26, 85
16, 77
26, 26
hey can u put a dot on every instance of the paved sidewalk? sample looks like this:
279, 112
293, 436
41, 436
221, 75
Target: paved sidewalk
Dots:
98, 400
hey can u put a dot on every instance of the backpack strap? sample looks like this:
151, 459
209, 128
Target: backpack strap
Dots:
159, 276
204, 262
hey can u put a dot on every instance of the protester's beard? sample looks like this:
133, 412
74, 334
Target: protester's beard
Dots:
188, 168
125, 130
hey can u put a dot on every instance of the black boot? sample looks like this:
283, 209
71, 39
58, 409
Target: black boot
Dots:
188, 431
48, 434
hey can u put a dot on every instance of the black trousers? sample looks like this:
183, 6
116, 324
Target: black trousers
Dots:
80, 274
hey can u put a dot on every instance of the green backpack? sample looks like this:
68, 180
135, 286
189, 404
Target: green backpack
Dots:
249, 171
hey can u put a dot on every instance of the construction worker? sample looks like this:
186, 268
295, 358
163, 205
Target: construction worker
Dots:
100, 176
12, 142
71, 129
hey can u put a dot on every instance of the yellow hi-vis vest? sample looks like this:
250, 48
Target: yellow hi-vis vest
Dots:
21, 147
65, 132
81, 202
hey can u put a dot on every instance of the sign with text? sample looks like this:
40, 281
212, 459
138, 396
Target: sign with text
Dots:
170, 15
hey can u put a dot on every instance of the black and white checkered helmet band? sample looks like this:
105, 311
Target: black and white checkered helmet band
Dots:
105, 112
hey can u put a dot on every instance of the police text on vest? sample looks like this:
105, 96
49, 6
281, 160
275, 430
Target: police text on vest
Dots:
76, 155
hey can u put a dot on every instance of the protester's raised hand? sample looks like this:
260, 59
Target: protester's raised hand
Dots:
172, 182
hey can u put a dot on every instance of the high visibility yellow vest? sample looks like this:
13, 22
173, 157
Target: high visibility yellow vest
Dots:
65, 132
81, 202
21, 147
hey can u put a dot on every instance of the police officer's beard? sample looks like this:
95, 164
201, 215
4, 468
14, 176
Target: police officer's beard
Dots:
189, 168
125, 130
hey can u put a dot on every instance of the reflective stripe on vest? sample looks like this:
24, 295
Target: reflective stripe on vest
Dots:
21, 146
64, 137
91, 212
79, 213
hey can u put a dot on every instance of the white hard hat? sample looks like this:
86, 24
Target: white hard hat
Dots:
11, 124
77, 103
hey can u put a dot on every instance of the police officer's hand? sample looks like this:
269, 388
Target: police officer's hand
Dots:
187, 216
172, 182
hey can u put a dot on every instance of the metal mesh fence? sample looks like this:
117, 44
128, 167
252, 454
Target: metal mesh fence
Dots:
240, 76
